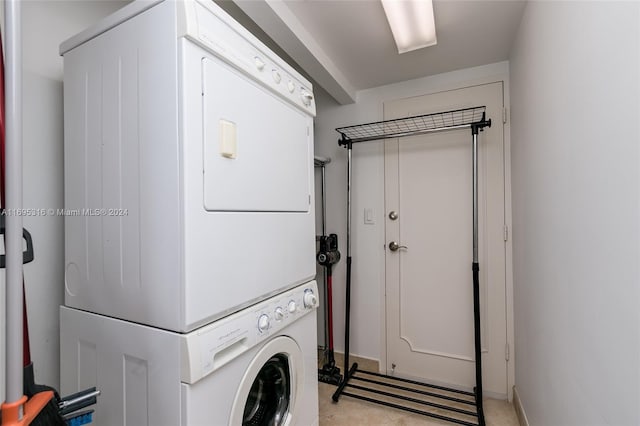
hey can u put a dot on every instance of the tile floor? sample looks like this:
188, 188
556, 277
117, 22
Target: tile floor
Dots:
352, 412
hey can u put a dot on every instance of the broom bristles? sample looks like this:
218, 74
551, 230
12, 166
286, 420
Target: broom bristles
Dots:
50, 414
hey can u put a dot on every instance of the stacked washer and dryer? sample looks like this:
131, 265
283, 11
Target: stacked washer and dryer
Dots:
190, 241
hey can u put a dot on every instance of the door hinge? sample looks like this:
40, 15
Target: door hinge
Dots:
504, 115
506, 233
506, 352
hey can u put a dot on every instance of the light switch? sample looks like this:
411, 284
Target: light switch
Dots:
369, 216
228, 139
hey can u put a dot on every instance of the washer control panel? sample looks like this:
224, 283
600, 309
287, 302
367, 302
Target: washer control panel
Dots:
272, 316
214, 345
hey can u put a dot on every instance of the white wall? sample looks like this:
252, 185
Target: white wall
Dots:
44, 25
575, 93
367, 298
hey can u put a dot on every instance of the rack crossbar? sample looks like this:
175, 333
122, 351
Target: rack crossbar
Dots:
415, 400
410, 126
418, 391
410, 409
414, 382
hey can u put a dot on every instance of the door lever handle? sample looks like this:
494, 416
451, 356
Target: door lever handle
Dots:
393, 246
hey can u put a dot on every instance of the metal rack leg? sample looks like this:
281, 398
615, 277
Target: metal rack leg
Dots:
348, 372
476, 279
478, 343
348, 283
347, 316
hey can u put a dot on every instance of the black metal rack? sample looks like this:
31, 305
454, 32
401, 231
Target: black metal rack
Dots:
420, 398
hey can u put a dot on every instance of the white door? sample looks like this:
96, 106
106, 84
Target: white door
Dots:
428, 183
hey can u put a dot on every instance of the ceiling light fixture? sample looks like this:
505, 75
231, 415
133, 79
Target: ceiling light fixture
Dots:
411, 22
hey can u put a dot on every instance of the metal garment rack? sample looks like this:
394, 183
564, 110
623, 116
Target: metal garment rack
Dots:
321, 162
437, 401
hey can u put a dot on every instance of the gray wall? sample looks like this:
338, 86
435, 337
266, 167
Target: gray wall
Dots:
575, 154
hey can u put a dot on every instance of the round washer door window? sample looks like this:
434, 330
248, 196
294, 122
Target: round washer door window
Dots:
268, 392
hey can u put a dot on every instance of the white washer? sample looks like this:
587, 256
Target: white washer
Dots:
257, 366
188, 167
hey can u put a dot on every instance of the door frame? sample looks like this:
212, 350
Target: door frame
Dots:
504, 79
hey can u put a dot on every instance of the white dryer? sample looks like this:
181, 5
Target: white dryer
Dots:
188, 167
255, 367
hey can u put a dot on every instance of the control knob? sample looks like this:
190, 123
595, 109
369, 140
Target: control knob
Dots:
263, 322
306, 97
279, 314
309, 299
259, 63
292, 307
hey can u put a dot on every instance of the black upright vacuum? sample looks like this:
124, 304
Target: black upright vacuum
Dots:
327, 256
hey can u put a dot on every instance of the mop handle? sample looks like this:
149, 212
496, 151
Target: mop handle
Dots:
13, 198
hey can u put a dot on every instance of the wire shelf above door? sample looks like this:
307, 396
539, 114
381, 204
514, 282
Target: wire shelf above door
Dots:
409, 126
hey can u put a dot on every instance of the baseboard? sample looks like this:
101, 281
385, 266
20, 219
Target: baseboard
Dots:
517, 404
363, 362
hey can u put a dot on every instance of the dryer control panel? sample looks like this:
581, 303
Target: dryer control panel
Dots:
214, 345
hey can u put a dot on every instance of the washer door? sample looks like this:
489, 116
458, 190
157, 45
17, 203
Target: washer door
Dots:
268, 392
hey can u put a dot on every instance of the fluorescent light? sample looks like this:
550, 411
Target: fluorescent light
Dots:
411, 23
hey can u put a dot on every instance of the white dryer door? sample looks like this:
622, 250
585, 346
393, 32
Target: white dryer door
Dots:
257, 147
270, 387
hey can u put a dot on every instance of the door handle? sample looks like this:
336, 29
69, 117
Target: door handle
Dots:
393, 246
